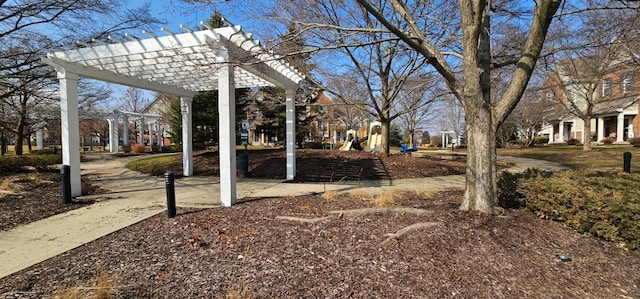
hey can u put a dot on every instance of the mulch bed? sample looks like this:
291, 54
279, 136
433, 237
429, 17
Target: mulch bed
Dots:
36, 196
248, 250
299, 247
331, 166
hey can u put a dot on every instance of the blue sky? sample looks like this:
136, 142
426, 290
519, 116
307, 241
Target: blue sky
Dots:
172, 13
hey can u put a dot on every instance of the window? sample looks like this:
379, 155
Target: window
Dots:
606, 87
627, 83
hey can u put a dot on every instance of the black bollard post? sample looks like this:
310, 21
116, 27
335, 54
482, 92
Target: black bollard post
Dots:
627, 162
65, 173
169, 180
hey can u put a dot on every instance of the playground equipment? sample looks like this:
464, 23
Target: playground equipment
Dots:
351, 137
374, 140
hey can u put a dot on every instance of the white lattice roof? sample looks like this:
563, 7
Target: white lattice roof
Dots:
180, 64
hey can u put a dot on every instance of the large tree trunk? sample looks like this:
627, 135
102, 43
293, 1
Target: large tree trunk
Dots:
411, 134
586, 134
3, 143
19, 136
481, 189
384, 130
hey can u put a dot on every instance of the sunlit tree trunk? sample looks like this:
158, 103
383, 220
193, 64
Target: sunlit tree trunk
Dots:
586, 134
480, 188
384, 131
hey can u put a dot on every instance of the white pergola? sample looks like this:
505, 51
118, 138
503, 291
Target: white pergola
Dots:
181, 64
115, 117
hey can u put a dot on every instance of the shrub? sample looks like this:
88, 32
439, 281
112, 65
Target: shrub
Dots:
541, 140
573, 141
43, 162
634, 141
508, 194
461, 146
46, 151
516, 142
16, 164
155, 165
137, 148
605, 205
313, 145
126, 148
176, 147
436, 141
607, 140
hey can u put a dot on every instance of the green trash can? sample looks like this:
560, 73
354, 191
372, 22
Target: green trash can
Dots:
243, 163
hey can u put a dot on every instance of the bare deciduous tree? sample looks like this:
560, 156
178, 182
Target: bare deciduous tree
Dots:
373, 58
415, 105
473, 88
349, 101
28, 29
456, 41
134, 100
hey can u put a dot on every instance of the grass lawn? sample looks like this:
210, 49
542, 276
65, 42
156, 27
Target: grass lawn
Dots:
602, 157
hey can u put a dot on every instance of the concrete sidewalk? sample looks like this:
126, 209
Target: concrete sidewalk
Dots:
141, 196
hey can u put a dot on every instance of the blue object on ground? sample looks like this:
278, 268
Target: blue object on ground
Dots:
406, 149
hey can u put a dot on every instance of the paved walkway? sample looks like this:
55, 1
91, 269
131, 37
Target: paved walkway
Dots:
140, 196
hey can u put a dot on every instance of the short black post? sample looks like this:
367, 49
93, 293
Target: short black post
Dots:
169, 180
65, 173
627, 162
243, 161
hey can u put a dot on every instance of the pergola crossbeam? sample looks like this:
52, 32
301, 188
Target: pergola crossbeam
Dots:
108, 76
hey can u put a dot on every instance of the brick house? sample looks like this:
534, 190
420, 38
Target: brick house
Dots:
615, 94
328, 125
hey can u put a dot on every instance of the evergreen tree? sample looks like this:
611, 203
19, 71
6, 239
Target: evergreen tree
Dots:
205, 117
216, 20
395, 135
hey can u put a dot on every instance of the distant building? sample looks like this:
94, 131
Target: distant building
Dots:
329, 127
161, 105
616, 95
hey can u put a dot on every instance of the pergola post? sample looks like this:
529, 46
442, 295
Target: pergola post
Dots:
114, 142
159, 135
70, 128
187, 140
125, 129
291, 133
227, 124
142, 125
151, 141
39, 139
